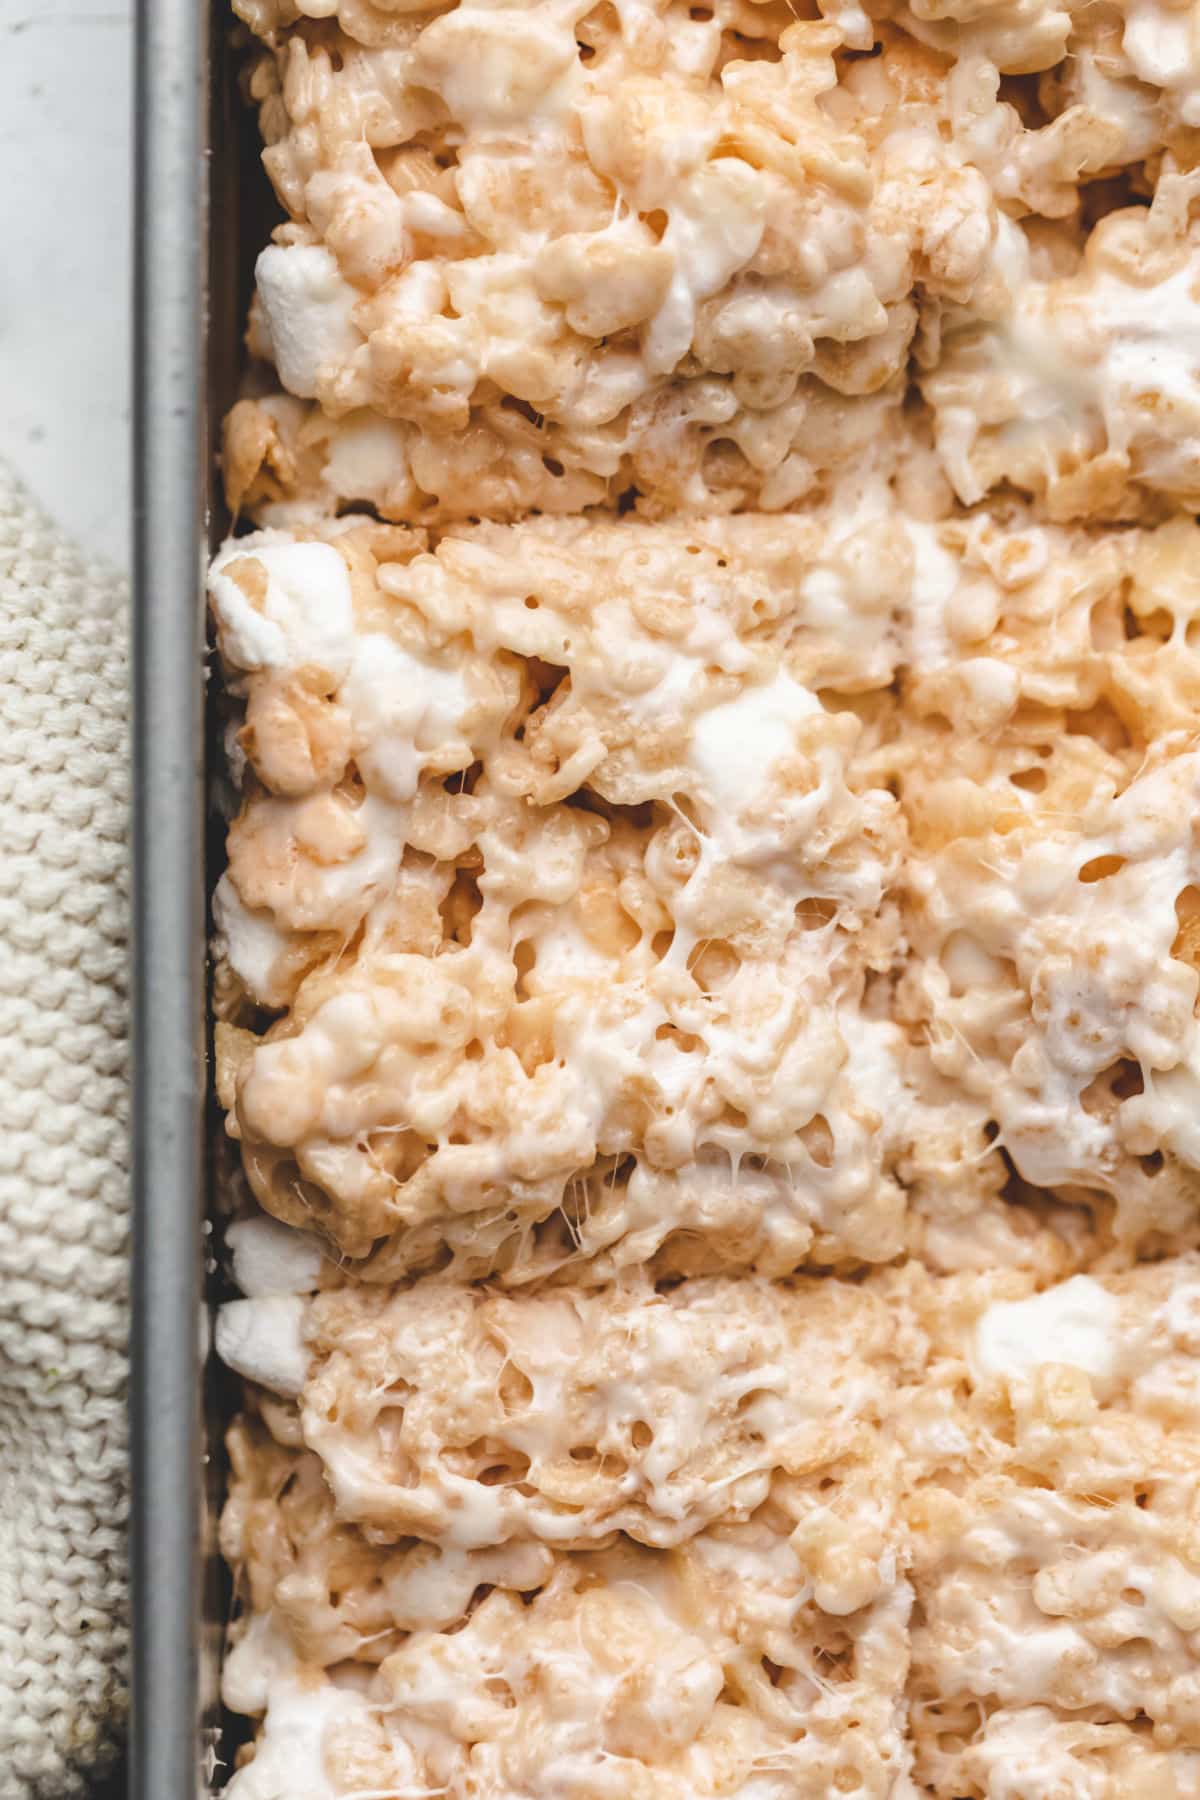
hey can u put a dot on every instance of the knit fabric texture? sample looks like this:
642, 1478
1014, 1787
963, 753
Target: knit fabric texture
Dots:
64, 1211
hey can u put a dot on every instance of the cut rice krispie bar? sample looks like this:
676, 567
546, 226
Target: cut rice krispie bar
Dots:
287, 461
629, 1674
1052, 872
1059, 978
671, 251
680, 260
622, 992
473, 1418
759, 1648
1054, 1546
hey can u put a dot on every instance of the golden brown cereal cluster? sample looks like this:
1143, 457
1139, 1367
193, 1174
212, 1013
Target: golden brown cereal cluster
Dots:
707, 971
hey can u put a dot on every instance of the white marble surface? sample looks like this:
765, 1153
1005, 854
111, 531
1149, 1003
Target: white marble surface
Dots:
65, 227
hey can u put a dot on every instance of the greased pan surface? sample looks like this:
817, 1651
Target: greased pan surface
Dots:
174, 1662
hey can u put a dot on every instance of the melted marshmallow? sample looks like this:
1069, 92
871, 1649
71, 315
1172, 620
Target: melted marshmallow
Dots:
736, 746
1088, 383
302, 616
1075, 1323
405, 708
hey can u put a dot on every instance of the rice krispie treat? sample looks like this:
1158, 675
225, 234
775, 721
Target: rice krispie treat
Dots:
1153, 42
740, 1428
539, 300
1049, 789
593, 901
601, 254
471, 1418
289, 462
1054, 1539
1078, 1028
628, 1674
565, 866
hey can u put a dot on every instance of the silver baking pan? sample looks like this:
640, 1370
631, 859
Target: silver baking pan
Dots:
198, 198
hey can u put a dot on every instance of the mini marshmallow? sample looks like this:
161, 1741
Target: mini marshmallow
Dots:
263, 1339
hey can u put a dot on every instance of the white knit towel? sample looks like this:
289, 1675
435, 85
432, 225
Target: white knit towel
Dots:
63, 1166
